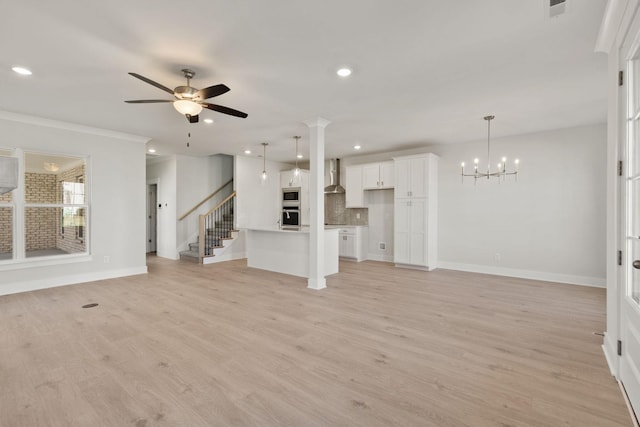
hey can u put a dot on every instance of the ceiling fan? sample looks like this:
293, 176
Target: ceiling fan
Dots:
189, 100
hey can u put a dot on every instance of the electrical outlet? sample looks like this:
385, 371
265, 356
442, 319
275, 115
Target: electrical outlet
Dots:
382, 246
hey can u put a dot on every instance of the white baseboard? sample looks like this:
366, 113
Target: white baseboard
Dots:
596, 282
53, 282
224, 257
379, 257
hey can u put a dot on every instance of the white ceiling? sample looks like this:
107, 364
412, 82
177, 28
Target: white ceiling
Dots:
424, 71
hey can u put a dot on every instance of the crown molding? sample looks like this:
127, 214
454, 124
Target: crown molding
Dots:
55, 124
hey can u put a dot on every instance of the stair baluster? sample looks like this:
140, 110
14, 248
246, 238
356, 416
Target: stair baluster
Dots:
215, 226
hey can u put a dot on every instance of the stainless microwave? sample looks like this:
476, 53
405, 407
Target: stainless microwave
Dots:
291, 196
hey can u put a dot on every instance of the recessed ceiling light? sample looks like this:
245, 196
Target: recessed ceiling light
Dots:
299, 156
344, 72
247, 151
356, 147
151, 150
22, 71
208, 121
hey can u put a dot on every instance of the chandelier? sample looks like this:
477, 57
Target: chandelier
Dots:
501, 172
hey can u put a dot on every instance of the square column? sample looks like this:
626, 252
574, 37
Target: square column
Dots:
316, 278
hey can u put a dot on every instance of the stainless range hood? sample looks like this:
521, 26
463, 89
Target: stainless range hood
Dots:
334, 171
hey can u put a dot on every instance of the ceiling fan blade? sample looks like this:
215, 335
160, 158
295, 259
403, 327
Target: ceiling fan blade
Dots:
211, 91
224, 110
192, 119
149, 101
152, 83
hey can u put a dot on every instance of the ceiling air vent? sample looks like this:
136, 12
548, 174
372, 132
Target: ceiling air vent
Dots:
556, 7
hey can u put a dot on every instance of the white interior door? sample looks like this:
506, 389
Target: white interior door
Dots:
629, 345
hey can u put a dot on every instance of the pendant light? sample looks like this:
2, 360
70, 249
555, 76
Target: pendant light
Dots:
296, 171
501, 172
263, 176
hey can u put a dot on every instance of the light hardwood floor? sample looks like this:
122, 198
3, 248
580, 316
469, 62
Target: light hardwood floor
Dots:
226, 345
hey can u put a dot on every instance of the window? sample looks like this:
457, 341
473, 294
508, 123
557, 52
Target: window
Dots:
6, 219
47, 215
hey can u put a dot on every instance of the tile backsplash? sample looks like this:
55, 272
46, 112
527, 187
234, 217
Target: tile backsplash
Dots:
336, 212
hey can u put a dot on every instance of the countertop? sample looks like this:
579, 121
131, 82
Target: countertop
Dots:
276, 229
336, 226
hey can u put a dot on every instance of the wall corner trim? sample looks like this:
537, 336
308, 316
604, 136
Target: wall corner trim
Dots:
610, 25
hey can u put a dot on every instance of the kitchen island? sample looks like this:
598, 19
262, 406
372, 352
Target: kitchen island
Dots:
287, 251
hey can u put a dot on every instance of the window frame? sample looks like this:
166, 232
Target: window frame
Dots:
19, 204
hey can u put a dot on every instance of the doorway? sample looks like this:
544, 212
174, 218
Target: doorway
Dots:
152, 217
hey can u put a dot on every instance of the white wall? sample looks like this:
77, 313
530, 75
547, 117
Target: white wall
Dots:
117, 184
550, 225
380, 207
258, 203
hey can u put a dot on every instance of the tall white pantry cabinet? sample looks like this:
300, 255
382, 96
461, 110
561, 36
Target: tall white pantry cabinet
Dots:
416, 211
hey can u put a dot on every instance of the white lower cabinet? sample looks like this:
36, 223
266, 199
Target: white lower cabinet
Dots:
410, 238
353, 242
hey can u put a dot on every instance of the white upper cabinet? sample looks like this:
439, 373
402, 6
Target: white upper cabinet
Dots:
354, 197
287, 179
412, 177
377, 176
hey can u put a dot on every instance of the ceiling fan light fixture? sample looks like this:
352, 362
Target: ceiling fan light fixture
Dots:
184, 106
344, 72
23, 71
51, 167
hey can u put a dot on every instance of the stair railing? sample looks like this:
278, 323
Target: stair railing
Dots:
203, 201
214, 226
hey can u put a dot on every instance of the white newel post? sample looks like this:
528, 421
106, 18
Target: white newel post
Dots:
316, 278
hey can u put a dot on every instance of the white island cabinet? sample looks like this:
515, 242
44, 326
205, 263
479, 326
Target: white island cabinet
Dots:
287, 251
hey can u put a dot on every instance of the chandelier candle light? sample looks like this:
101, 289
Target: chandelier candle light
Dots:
502, 167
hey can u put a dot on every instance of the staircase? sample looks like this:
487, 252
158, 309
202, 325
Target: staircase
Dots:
215, 234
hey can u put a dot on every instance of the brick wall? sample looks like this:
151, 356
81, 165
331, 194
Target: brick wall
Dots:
40, 228
40, 223
6, 230
40, 188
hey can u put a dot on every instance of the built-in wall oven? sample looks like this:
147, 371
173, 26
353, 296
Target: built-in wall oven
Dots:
290, 208
290, 217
